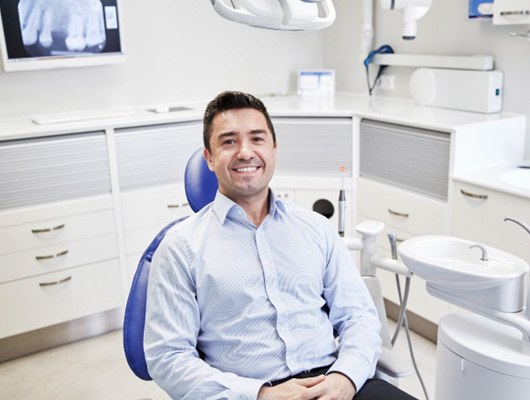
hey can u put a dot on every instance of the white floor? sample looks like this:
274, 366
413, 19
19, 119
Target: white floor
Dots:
96, 369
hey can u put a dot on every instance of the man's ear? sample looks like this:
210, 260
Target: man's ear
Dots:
208, 158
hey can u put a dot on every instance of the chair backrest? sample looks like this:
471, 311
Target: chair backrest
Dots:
199, 182
200, 185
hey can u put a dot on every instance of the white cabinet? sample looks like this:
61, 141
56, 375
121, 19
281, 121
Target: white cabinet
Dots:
79, 203
479, 212
404, 180
58, 238
150, 164
145, 212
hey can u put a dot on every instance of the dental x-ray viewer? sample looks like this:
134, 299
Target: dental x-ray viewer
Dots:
246, 296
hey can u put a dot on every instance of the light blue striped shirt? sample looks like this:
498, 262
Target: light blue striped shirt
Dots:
259, 303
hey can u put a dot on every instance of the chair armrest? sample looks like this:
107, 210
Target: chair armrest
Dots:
394, 364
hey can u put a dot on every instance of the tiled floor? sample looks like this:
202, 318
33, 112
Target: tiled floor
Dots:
95, 369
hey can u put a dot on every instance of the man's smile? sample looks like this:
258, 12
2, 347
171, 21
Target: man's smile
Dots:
246, 169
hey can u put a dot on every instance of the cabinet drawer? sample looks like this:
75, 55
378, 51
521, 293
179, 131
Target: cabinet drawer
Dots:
48, 259
160, 212
394, 207
66, 295
56, 231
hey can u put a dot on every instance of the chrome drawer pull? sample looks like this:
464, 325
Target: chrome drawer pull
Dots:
473, 195
398, 214
68, 278
173, 206
44, 230
49, 257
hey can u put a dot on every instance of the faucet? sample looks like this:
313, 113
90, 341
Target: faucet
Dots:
484, 256
521, 224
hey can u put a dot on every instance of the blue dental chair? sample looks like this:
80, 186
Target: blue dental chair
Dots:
201, 186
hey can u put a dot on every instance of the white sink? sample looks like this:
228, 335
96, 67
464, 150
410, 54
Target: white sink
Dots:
456, 273
519, 177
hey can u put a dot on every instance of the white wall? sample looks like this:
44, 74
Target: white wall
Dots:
444, 30
182, 50
176, 50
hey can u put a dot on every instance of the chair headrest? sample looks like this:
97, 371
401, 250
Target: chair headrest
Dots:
200, 183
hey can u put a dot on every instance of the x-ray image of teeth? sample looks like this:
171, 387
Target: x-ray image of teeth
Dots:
51, 27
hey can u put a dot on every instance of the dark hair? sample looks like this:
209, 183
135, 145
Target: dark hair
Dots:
232, 100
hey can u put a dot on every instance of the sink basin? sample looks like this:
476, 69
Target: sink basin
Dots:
455, 272
519, 177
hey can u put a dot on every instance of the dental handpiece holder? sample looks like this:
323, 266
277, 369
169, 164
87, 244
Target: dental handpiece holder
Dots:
370, 260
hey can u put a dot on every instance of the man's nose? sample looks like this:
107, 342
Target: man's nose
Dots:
244, 152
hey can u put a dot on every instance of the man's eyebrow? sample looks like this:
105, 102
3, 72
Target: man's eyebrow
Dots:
226, 134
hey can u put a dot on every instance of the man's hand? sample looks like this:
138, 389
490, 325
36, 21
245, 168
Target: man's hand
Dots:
334, 386
293, 389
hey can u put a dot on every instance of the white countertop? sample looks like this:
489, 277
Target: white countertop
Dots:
497, 178
340, 105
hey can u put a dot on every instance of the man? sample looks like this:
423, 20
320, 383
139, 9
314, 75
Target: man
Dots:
254, 298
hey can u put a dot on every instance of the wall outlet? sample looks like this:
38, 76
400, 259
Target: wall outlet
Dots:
387, 82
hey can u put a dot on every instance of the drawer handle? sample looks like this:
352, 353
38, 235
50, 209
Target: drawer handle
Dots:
173, 206
44, 230
514, 13
54, 283
49, 257
473, 195
397, 214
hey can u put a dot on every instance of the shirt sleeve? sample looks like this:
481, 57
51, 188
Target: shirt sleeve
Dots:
352, 313
171, 331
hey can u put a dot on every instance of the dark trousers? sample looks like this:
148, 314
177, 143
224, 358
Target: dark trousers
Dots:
373, 389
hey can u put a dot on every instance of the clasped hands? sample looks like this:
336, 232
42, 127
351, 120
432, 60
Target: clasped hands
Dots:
333, 386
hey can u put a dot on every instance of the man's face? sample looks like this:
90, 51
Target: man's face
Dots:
243, 154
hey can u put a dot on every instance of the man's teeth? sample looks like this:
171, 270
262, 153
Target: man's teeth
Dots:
246, 169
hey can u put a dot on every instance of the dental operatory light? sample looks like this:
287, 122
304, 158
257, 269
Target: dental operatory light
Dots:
412, 11
293, 15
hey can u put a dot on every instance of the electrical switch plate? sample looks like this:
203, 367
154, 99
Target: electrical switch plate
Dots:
387, 82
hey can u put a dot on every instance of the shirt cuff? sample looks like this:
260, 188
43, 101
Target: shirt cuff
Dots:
250, 388
356, 369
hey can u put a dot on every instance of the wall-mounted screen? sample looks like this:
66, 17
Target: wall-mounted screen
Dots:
43, 34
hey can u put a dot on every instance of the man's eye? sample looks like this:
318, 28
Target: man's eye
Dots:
229, 141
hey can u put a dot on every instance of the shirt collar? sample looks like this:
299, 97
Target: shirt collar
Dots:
223, 206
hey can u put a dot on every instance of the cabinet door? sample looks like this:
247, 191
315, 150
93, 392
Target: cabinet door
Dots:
42, 170
155, 155
301, 142
478, 214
